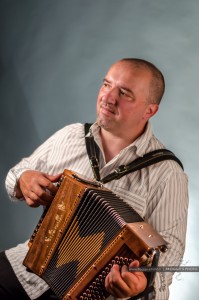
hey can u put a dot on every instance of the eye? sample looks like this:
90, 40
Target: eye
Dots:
126, 95
123, 93
106, 85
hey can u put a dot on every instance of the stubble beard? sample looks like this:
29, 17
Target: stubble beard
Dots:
103, 121
105, 124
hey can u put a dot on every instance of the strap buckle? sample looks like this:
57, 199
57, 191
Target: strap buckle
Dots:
95, 167
94, 161
121, 169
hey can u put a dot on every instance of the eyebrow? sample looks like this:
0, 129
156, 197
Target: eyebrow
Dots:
105, 79
121, 87
127, 89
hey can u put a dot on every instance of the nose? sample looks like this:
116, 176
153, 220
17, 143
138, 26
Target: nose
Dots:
111, 96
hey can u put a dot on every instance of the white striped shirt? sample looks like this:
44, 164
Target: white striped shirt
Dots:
159, 193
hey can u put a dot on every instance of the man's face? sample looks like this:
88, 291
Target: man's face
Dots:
122, 100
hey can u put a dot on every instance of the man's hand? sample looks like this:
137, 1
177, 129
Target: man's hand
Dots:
37, 188
123, 284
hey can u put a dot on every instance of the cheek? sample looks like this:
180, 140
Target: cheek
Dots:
99, 97
130, 112
126, 108
98, 103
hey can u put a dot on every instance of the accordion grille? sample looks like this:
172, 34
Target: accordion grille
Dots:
98, 218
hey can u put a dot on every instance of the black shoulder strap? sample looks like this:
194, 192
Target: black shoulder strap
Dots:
87, 127
139, 163
148, 159
93, 152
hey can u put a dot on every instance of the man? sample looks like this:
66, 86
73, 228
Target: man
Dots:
130, 95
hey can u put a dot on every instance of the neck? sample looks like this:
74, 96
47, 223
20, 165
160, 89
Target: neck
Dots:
113, 144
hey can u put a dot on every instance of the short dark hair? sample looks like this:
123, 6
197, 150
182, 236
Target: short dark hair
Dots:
157, 85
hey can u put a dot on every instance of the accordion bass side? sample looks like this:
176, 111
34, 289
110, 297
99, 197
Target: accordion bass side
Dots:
87, 229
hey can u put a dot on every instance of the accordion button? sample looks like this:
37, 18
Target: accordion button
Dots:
104, 274
107, 269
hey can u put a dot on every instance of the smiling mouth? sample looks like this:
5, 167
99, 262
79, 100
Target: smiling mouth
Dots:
107, 109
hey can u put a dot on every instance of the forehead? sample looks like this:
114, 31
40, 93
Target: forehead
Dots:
129, 73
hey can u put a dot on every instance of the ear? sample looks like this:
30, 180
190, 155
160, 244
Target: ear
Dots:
151, 110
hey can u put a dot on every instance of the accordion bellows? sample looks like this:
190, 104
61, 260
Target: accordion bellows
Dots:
84, 232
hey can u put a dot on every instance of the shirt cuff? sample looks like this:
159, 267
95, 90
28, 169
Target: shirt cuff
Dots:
11, 182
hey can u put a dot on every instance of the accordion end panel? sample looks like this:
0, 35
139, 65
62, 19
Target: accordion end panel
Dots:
50, 228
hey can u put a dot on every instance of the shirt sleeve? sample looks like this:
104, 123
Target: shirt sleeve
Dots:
36, 161
167, 212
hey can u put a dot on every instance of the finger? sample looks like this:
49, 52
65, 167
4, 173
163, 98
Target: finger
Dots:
134, 264
37, 193
47, 183
125, 270
41, 195
50, 188
136, 281
111, 289
32, 202
128, 277
38, 197
54, 178
115, 284
122, 283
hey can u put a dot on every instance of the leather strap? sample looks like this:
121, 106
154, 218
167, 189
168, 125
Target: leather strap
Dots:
148, 159
139, 163
93, 152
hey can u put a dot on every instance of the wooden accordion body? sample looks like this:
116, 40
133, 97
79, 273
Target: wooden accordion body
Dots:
84, 232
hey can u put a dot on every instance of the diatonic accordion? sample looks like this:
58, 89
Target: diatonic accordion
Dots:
87, 229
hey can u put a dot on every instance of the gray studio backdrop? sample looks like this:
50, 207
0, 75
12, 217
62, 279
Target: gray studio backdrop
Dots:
53, 56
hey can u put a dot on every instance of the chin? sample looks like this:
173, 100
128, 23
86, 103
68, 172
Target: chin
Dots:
105, 122
102, 123
105, 125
